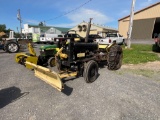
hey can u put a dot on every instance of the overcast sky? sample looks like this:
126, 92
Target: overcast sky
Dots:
67, 13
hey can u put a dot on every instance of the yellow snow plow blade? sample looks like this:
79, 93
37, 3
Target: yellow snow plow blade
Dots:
48, 76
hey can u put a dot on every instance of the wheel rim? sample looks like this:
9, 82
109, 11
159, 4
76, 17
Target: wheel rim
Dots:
12, 47
53, 63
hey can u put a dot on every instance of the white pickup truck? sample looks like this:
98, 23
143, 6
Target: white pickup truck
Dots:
49, 38
110, 38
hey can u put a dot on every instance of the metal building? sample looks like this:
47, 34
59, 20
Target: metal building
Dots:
28, 28
145, 24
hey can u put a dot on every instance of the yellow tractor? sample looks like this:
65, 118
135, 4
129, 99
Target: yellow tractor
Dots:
79, 58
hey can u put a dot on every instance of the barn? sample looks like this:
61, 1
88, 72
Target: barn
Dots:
146, 23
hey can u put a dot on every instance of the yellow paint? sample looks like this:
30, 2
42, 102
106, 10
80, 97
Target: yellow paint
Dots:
51, 77
103, 46
31, 49
81, 55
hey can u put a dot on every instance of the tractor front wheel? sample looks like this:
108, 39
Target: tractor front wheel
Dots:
91, 71
52, 62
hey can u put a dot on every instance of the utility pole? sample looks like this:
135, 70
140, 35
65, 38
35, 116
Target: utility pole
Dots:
17, 30
130, 25
44, 23
88, 29
20, 20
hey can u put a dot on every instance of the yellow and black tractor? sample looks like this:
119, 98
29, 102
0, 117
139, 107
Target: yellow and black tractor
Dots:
46, 57
77, 58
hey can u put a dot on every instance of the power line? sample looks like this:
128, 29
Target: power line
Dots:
69, 11
66, 12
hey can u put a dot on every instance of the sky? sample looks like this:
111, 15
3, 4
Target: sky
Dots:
67, 13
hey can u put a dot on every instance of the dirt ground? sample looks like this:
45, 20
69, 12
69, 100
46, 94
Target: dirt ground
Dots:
155, 66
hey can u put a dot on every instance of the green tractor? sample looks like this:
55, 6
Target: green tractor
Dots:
46, 57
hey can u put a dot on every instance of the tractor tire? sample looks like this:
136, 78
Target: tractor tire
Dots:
52, 62
114, 58
91, 71
58, 63
155, 48
12, 47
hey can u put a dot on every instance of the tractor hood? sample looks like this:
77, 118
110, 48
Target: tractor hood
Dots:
48, 47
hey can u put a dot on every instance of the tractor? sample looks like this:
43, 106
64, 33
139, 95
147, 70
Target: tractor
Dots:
78, 58
10, 44
46, 57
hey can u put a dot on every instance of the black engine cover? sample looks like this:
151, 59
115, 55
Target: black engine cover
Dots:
85, 46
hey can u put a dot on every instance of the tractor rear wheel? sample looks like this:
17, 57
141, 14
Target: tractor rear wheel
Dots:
12, 47
91, 71
52, 62
115, 57
155, 48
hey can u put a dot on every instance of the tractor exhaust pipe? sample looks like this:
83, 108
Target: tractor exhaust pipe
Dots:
88, 30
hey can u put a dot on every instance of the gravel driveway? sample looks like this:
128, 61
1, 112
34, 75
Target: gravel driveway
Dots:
115, 95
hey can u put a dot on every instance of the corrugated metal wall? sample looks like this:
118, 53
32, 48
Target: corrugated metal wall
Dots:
143, 29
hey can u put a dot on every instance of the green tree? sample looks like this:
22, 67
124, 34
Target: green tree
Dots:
41, 24
2, 27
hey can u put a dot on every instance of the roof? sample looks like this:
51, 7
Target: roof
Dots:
2, 33
102, 26
106, 27
62, 29
141, 10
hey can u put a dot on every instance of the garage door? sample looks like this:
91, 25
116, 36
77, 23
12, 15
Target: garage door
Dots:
143, 29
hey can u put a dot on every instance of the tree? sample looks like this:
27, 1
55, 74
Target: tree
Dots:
2, 27
41, 24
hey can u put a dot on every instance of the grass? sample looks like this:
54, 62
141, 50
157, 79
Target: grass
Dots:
139, 53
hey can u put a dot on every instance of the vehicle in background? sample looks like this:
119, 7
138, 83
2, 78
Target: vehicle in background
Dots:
49, 38
71, 35
93, 37
26, 36
110, 38
156, 46
35, 38
42, 39
9, 44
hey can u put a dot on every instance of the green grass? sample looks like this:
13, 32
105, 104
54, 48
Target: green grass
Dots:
139, 53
